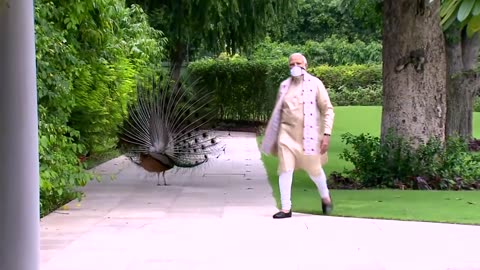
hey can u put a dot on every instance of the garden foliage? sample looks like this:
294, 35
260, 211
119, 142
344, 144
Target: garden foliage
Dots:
90, 54
397, 163
246, 89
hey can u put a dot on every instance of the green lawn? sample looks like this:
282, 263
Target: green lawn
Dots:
436, 206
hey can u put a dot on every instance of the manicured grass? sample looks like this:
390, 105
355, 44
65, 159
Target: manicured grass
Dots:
356, 120
436, 206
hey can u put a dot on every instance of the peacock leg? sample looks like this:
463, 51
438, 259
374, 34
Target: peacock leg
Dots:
164, 180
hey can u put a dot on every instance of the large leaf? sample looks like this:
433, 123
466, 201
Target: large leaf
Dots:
476, 8
465, 9
448, 10
447, 23
473, 25
448, 7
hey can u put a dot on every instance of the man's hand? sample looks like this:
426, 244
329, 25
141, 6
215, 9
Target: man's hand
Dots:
324, 144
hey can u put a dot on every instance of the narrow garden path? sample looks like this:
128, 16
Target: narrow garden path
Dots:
219, 217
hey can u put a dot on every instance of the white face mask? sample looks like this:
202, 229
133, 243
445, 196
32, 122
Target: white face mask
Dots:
296, 71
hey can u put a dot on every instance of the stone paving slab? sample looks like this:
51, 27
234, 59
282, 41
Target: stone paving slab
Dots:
219, 217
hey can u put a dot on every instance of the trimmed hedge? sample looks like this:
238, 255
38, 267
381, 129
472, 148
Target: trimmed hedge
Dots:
246, 90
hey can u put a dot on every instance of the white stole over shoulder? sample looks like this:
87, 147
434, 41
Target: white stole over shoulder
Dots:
310, 128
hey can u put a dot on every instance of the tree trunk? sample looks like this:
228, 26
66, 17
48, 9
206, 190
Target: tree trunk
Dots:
460, 108
414, 70
463, 82
177, 57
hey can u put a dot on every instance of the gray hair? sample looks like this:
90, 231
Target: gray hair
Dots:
298, 54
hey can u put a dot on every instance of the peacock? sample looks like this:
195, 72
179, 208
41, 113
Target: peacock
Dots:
170, 125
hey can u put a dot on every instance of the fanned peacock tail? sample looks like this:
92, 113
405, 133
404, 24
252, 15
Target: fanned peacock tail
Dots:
170, 122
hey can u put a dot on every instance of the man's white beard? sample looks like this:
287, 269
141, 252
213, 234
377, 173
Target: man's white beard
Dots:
297, 79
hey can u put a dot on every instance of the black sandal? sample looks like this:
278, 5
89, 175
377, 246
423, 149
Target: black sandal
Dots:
282, 214
327, 208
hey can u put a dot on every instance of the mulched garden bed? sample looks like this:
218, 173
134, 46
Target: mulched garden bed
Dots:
474, 145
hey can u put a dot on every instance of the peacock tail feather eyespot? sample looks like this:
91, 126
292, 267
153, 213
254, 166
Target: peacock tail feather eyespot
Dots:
170, 116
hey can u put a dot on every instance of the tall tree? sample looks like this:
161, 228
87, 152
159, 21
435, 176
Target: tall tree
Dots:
414, 70
320, 19
216, 25
461, 22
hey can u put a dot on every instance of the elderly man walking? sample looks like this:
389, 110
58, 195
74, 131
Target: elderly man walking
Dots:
298, 132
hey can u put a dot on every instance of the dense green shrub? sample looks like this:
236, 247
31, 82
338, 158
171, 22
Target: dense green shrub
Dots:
371, 95
60, 169
243, 89
320, 19
331, 51
338, 51
395, 163
273, 51
246, 89
89, 56
352, 76
115, 49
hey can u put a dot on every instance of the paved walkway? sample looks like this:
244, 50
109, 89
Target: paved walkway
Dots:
219, 217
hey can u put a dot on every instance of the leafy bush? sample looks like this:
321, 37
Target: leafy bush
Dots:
351, 76
60, 170
332, 51
115, 51
339, 51
396, 163
370, 95
89, 56
246, 90
320, 19
274, 51
241, 87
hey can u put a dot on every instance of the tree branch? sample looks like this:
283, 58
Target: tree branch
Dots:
454, 50
469, 80
470, 48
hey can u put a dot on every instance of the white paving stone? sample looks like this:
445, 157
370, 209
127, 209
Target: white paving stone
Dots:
219, 217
